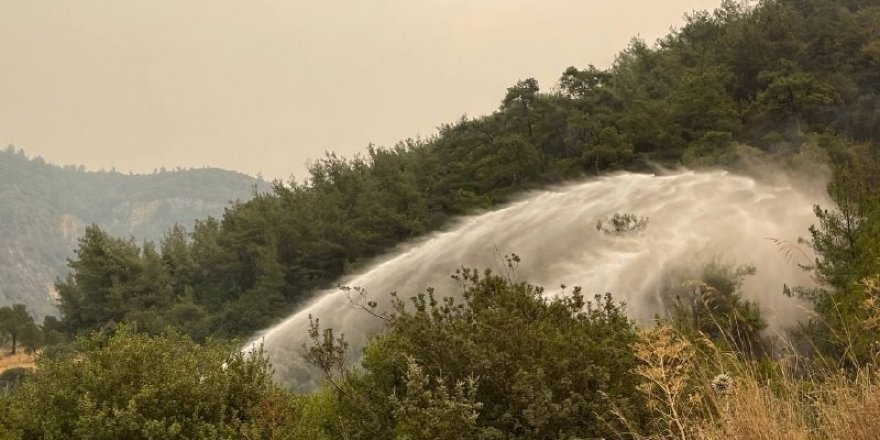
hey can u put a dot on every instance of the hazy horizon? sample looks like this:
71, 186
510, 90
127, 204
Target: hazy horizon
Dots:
261, 87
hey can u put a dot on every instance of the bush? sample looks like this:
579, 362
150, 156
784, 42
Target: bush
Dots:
505, 362
135, 386
10, 378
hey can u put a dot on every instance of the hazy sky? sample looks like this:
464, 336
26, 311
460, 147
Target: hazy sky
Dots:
260, 86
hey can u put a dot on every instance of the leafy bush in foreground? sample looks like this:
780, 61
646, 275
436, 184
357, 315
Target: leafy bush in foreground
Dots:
134, 386
505, 362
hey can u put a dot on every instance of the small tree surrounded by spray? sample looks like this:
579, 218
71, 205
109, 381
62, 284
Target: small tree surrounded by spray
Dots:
622, 223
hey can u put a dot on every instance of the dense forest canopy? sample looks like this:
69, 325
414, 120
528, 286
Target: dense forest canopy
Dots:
731, 87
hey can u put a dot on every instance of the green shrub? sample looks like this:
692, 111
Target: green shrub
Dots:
134, 386
505, 362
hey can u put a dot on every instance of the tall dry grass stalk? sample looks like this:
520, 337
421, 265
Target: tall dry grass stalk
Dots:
851, 409
697, 390
753, 411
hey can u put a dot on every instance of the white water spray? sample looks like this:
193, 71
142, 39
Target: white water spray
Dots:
691, 215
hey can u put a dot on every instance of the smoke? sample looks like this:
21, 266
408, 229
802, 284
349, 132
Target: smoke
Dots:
693, 216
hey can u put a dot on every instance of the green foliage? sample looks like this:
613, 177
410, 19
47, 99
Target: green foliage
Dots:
18, 325
710, 303
134, 386
506, 362
11, 378
794, 93
714, 149
431, 411
847, 243
44, 208
622, 223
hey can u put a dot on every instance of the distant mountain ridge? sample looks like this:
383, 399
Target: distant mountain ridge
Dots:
44, 209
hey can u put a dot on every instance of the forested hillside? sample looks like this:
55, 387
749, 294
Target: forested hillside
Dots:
731, 88
44, 210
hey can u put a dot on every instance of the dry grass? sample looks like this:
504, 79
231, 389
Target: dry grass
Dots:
788, 398
766, 405
752, 411
851, 410
18, 360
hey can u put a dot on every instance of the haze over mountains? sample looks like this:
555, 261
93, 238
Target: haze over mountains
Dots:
44, 209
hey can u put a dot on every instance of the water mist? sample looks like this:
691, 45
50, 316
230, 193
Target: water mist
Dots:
692, 216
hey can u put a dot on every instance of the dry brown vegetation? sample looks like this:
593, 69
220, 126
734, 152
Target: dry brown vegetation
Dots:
759, 401
18, 360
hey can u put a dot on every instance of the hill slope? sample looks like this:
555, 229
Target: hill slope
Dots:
777, 83
44, 209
